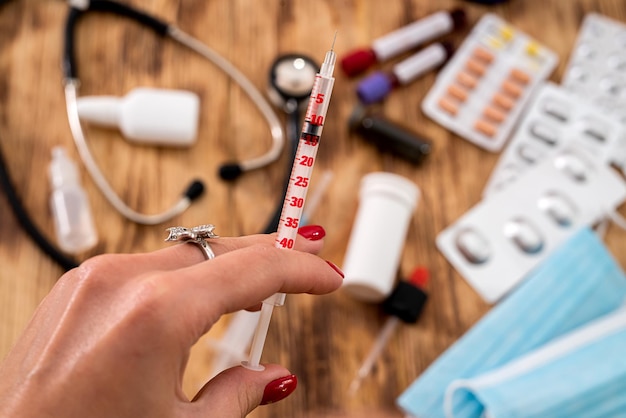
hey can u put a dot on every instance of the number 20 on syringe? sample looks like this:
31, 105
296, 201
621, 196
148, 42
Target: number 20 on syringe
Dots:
303, 165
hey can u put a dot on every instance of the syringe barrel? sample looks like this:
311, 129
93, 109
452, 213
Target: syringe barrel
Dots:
295, 195
318, 105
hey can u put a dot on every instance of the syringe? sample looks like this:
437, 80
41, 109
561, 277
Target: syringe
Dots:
296, 191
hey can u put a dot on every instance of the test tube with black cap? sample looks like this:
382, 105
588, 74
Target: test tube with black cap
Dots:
377, 86
388, 136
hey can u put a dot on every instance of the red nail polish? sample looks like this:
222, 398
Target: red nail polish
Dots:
312, 232
337, 269
279, 389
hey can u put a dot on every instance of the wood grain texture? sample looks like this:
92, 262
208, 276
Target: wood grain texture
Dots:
321, 339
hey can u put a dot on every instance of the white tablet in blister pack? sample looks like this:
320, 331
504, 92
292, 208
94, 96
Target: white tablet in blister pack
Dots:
596, 70
497, 242
480, 93
553, 118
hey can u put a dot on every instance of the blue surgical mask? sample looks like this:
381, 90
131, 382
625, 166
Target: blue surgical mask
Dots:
581, 374
578, 283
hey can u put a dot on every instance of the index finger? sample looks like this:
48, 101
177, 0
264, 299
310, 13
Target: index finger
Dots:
245, 277
182, 255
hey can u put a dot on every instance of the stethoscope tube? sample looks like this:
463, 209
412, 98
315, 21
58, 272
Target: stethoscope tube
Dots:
67, 263
228, 171
293, 125
69, 58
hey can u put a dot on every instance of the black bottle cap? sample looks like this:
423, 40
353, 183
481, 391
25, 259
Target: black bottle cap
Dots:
408, 298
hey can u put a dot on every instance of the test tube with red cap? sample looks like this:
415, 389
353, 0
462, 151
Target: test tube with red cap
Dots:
405, 304
377, 86
403, 40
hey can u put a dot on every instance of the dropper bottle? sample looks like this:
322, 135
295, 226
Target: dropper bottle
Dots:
74, 227
404, 304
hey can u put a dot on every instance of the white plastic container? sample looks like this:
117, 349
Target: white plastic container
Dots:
73, 223
386, 204
147, 115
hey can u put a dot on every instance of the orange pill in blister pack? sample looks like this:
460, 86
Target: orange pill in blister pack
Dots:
483, 55
448, 105
519, 76
511, 89
486, 85
466, 80
494, 114
485, 127
503, 102
475, 67
457, 92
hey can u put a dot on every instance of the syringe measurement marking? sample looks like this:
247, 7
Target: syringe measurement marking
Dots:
295, 198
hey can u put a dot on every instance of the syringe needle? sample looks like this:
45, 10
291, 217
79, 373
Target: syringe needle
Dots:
332, 47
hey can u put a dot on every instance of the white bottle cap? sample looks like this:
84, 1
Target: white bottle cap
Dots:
386, 204
62, 170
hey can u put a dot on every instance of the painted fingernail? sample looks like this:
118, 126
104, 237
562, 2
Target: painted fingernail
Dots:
279, 389
337, 269
312, 232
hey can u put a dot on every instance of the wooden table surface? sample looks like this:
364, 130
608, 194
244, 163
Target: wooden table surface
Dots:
321, 339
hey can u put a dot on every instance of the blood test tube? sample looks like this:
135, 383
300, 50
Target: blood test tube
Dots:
377, 86
388, 136
402, 40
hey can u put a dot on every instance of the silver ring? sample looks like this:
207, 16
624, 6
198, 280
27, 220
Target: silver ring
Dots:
196, 235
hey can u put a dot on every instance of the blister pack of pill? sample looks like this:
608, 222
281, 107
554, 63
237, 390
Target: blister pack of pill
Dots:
481, 91
497, 242
596, 69
553, 118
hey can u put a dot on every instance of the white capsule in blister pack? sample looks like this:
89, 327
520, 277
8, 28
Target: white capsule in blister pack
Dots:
498, 241
372, 259
596, 70
556, 117
481, 91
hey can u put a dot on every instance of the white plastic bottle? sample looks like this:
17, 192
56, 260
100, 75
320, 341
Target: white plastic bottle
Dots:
73, 223
372, 259
147, 115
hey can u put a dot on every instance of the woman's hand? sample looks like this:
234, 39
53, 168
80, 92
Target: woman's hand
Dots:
112, 338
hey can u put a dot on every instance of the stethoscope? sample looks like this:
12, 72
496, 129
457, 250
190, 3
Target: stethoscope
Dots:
291, 80
229, 171
290, 83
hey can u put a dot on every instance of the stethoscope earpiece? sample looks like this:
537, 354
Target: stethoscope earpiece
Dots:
291, 79
230, 171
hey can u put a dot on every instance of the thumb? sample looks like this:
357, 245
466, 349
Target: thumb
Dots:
235, 392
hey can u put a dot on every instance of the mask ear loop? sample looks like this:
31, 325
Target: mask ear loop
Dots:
196, 188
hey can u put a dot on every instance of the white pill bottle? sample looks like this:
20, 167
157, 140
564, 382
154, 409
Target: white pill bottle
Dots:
386, 205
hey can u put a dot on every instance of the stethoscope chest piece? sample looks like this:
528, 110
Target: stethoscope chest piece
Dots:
291, 81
